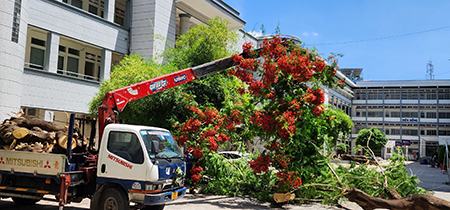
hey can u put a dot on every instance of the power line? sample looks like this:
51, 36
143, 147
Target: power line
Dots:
380, 38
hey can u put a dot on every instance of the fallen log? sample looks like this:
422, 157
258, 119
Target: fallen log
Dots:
31, 122
358, 158
420, 202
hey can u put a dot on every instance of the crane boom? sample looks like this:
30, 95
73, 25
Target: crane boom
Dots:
116, 100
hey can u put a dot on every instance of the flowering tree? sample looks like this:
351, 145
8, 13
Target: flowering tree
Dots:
285, 81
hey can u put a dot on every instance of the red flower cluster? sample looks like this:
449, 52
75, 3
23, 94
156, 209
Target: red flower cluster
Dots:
191, 125
271, 73
289, 179
247, 47
318, 110
319, 64
263, 120
196, 173
196, 169
296, 65
223, 138
211, 114
282, 161
197, 111
197, 153
196, 178
260, 164
208, 133
181, 139
273, 48
315, 97
212, 143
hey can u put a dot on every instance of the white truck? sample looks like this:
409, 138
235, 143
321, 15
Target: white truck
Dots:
133, 163
140, 164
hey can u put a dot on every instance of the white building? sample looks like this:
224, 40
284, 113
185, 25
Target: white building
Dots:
413, 113
55, 53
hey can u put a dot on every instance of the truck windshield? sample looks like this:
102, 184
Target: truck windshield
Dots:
160, 144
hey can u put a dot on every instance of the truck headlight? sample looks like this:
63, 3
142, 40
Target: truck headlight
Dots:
153, 186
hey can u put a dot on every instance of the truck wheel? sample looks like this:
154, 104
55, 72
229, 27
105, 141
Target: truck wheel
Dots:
113, 199
155, 207
25, 201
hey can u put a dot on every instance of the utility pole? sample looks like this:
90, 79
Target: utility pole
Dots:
430, 71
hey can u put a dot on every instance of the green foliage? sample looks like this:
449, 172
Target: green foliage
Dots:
201, 44
337, 128
156, 110
366, 178
235, 178
374, 136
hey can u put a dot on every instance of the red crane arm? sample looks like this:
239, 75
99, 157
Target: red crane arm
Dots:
116, 100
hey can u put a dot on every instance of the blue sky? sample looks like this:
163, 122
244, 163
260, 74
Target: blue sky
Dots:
400, 56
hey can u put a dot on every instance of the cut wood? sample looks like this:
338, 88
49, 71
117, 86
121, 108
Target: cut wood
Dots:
420, 202
20, 133
62, 142
30, 122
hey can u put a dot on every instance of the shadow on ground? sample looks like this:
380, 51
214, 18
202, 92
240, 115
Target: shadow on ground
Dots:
430, 178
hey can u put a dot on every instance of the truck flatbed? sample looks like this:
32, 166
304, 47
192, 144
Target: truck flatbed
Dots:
31, 162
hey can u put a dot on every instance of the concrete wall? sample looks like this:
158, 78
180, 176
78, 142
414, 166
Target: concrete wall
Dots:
11, 57
52, 91
165, 27
153, 27
142, 25
243, 37
77, 24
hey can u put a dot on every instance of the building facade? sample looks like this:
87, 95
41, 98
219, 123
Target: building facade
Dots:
55, 53
413, 114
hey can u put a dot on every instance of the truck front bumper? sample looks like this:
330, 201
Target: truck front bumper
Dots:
164, 197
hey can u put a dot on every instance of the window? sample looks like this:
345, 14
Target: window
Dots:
96, 7
409, 132
431, 114
92, 6
119, 12
444, 94
431, 132
444, 115
16, 21
36, 48
79, 60
125, 145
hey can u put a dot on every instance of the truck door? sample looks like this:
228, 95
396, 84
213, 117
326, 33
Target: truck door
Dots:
121, 159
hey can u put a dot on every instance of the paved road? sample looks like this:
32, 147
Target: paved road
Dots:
431, 179
190, 202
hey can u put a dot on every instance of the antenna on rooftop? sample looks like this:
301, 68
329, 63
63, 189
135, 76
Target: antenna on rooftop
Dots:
430, 71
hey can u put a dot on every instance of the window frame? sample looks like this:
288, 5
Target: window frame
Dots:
140, 162
84, 51
42, 36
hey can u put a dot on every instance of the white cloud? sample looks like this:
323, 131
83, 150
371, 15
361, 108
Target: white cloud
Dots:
256, 33
306, 34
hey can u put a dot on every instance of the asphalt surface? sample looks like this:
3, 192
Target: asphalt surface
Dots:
432, 179
190, 202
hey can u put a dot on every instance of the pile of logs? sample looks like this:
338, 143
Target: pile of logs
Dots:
35, 135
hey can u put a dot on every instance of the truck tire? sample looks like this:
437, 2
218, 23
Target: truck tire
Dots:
113, 199
24, 201
155, 207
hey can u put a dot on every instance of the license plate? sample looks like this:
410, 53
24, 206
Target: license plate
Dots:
174, 195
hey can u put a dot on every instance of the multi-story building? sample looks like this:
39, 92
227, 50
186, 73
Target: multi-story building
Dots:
411, 113
55, 53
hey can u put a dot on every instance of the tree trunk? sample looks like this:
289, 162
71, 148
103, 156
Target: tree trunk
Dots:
420, 202
30, 123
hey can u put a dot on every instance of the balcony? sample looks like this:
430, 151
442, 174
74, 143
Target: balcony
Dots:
203, 10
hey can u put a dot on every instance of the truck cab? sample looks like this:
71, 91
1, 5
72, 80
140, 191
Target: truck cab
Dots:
138, 164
